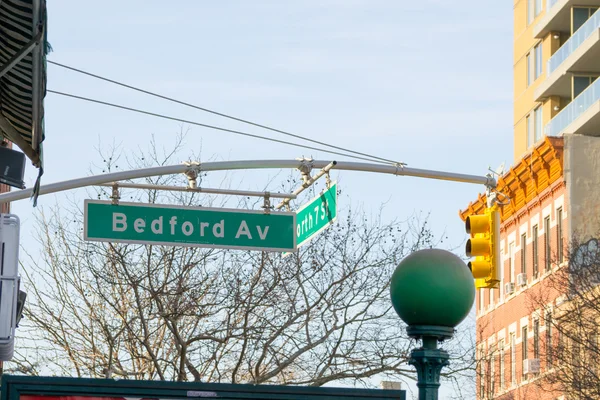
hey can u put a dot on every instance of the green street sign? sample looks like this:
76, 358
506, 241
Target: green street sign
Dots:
189, 226
317, 215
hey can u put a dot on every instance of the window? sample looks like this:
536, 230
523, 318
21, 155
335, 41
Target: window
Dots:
530, 11
501, 366
530, 131
538, 123
536, 338
547, 248
530, 69
580, 17
538, 7
482, 375
561, 340
524, 343
592, 351
524, 253
576, 361
548, 322
535, 251
539, 65
511, 264
481, 300
492, 373
513, 360
559, 235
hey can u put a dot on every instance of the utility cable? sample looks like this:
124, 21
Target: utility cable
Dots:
218, 128
372, 157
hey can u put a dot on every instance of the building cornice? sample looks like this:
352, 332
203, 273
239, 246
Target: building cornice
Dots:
530, 181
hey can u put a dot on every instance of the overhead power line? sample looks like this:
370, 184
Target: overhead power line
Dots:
218, 128
245, 121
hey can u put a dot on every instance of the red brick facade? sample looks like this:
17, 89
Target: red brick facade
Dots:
503, 315
534, 222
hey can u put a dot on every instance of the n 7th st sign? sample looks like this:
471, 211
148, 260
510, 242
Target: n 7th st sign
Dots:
190, 226
317, 215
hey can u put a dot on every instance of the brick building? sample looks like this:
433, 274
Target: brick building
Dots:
511, 329
553, 190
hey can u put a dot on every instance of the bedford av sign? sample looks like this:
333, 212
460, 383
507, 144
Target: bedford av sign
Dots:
190, 226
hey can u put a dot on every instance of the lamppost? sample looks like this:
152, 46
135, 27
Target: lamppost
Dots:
432, 291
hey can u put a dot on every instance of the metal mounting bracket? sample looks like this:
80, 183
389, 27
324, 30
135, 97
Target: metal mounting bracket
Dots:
305, 168
267, 204
115, 197
192, 173
307, 182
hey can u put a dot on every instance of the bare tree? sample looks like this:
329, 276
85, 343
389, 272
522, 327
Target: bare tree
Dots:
185, 313
570, 350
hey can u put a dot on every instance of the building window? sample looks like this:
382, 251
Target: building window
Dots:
492, 373
538, 7
580, 83
535, 251
524, 344
548, 322
511, 264
580, 16
559, 235
481, 300
538, 123
482, 375
524, 253
530, 130
536, 338
513, 360
530, 68
501, 366
592, 350
539, 65
530, 11
547, 248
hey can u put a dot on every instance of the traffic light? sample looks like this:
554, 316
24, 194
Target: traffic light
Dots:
484, 245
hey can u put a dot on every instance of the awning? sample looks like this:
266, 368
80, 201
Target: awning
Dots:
23, 48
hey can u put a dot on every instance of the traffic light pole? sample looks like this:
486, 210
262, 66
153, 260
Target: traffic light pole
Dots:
399, 170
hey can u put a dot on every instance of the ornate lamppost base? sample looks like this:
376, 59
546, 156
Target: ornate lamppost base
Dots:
428, 360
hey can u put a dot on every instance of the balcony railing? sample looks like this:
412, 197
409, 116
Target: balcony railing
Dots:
574, 42
574, 110
550, 4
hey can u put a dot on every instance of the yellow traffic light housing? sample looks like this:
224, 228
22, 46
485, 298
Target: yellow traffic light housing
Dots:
484, 245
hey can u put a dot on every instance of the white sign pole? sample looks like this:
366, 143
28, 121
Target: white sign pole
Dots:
9, 283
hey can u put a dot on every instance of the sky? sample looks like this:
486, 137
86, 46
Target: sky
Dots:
427, 82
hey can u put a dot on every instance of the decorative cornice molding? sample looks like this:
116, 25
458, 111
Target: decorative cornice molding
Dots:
531, 180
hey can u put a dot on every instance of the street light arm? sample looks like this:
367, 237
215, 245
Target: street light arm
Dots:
94, 180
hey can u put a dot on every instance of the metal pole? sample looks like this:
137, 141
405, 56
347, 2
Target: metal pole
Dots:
429, 359
199, 190
308, 183
240, 165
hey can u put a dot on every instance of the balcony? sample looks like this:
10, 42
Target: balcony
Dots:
579, 54
586, 30
581, 116
558, 16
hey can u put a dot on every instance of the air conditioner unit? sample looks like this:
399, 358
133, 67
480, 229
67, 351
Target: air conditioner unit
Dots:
509, 287
531, 366
522, 279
